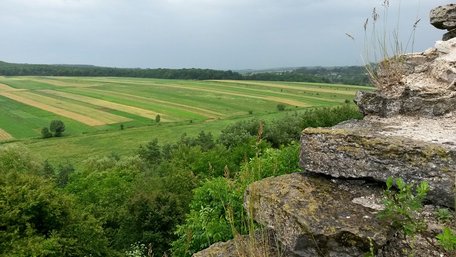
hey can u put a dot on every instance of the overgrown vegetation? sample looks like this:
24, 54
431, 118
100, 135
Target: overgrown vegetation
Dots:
172, 199
404, 210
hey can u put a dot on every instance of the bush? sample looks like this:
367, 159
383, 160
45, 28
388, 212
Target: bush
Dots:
45, 133
57, 127
281, 107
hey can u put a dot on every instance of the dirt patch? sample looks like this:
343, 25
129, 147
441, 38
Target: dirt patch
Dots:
5, 135
109, 105
59, 111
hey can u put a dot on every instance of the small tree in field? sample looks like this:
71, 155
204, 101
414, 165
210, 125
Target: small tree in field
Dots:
45, 133
281, 107
157, 118
57, 127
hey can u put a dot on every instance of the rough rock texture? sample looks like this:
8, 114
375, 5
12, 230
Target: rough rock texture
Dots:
314, 216
260, 245
449, 35
444, 17
422, 84
379, 148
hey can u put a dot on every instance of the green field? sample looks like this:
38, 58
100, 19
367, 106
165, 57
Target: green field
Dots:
94, 107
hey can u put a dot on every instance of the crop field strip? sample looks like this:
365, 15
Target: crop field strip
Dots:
298, 85
59, 111
92, 104
201, 111
78, 107
4, 87
199, 104
258, 93
296, 95
83, 114
224, 92
5, 135
306, 88
106, 104
63, 82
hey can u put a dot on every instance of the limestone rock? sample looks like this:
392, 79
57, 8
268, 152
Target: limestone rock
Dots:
413, 149
444, 17
314, 216
420, 84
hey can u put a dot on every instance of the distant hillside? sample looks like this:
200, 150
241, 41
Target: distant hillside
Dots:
353, 75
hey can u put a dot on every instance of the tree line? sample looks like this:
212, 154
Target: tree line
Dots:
352, 75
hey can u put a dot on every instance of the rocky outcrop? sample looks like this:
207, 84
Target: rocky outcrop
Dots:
408, 132
444, 17
314, 216
415, 150
424, 84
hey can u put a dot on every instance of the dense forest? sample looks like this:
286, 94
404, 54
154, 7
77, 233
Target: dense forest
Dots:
351, 75
163, 200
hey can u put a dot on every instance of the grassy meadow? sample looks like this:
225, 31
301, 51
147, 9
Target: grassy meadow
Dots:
93, 109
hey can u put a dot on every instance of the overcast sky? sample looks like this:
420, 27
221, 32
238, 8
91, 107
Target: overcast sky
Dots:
219, 34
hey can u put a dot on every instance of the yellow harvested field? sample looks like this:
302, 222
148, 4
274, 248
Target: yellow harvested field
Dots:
59, 111
106, 104
4, 135
102, 116
302, 88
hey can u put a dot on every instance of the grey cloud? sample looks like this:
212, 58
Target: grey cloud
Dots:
224, 34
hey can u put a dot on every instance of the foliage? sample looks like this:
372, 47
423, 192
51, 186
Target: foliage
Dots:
63, 174
217, 209
350, 75
39, 220
57, 127
12, 69
447, 239
150, 153
17, 158
157, 118
444, 215
281, 107
402, 208
45, 133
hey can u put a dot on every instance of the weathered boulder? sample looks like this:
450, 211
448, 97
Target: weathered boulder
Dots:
444, 17
315, 216
413, 149
420, 84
